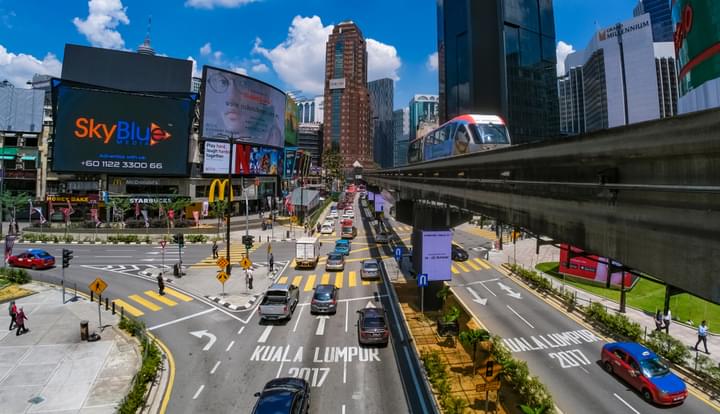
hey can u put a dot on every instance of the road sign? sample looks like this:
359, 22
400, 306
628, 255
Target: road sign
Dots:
163, 243
222, 262
293, 219
222, 277
422, 280
398, 253
488, 386
245, 263
98, 286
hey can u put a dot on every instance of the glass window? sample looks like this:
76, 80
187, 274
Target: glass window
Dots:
547, 19
529, 48
512, 44
653, 368
548, 49
489, 134
523, 13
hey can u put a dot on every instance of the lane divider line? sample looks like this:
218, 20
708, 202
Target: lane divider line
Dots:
518, 315
197, 393
626, 404
230, 346
212, 371
265, 334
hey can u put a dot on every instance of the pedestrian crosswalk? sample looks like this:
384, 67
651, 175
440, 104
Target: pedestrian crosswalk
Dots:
470, 265
137, 304
307, 283
237, 253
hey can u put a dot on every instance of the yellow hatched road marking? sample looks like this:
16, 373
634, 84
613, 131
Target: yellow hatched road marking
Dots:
159, 298
310, 283
339, 280
132, 310
463, 268
283, 280
365, 283
296, 280
325, 279
352, 281
481, 263
454, 270
139, 299
473, 265
183, 297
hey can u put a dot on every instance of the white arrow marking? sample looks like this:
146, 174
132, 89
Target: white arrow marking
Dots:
476, 297
370, 304
200, 334
321, 324
509, 291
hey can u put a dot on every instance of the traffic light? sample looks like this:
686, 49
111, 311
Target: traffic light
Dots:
179, 239
248, 241
67, 255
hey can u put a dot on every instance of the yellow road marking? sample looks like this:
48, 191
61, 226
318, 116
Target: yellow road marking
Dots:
310, 283
129, 308
159, 298
283, 280
139, 299
454, 270
297, 280
171, 370
365, 283
473, 265
183, 297
481, 263
325, 279
463, 268
339, 280
352, 281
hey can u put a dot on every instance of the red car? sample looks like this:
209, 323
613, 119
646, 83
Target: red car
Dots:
33, 259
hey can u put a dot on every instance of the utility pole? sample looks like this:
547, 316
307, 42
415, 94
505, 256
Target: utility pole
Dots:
229, 205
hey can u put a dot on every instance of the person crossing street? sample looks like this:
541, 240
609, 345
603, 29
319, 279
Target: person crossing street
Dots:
215, 249
161, 284
20, 319
12, 308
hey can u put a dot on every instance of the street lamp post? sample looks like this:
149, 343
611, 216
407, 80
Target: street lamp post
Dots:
229, 205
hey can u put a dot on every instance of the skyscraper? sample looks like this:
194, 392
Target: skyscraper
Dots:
660, 16
401, 136
381, 104
422, 109
498, 57
346, 123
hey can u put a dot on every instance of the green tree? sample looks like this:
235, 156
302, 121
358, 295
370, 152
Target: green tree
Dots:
333, 164
120, 205
472, 338
11, 202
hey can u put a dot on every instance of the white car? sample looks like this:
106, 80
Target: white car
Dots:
326, 229
346, 215
333, 214
350, 214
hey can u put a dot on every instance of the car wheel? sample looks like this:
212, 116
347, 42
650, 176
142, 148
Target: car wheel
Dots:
647, 395
608, 367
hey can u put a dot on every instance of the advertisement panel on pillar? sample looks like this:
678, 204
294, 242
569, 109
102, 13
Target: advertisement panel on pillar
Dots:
379, 201
290, 156
246, 159
371, 196
436, 254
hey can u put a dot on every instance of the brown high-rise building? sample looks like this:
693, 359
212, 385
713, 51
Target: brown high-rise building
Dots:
347, 103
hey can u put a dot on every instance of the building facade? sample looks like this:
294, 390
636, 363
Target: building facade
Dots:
498, 57
401, 136
346, 125
422, 109
610, 83
660, 18
381, 104
310, 111
310, 140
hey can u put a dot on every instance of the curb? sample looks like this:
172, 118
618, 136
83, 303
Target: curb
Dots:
229, 305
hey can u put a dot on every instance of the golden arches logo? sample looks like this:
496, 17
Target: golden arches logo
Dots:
221, 190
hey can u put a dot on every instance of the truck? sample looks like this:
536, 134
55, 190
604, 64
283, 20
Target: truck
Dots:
347, 230
307, 252
279, 302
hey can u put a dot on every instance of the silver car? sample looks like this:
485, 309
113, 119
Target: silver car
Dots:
370, 269
335, 261
324, 299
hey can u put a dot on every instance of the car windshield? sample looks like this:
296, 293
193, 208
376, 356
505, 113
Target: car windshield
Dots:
276, 297
275, 401
371, 266
653, 367
374, 321
323, 295
335, 257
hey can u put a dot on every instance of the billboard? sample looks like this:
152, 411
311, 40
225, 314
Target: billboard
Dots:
379, 200
101, 131
592, 268
436, 257
337, 83
289, 163
239, 107
127, 71
246, 159
21, 110
291, 122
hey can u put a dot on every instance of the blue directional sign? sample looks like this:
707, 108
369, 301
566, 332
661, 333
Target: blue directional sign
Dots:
422, 280
398, 253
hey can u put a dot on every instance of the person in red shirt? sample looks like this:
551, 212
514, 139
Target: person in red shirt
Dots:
13, 311
20, 319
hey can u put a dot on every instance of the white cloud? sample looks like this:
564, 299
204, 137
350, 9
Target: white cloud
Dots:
260, 68
196, 73
383, 61
432, 62
100, 27
300, 59
217, 56
210, 4
239, 69
20, 68
562, 50
206, 49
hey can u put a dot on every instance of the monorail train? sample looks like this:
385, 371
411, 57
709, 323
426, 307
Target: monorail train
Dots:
461, 135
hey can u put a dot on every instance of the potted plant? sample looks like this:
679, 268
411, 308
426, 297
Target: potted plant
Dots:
447, 324
472, 338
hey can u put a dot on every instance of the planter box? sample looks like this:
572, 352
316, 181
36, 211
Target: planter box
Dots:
448, 328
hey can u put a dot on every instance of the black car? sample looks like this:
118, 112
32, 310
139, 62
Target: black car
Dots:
283, 395
458, 253
372, 327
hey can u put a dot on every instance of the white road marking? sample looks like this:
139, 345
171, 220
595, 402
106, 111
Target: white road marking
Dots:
518, 315
212, 371
184, 318
204, 332
197, 393
343, 409
265, 334
321, 324
282, 362
240, 330
230, 346
347, 311
487, 288
113, 256
586, 371
626, 403
297, 319
345, 371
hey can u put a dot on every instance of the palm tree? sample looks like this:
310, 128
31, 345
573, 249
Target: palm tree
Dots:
472, 338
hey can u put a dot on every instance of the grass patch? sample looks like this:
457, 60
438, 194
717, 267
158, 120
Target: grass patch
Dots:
649, 297
10, 292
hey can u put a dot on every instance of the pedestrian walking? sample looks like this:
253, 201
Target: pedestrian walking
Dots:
702, 336
317, 227
249, 278
667, 319
161, 284
20, 319
215, 249
13, 312
658, 321
271, 262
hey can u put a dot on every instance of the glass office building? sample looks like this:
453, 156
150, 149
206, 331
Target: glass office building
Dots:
498, 57
660, 16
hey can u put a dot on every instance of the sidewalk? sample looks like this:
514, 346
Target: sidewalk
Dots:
49, 369
523, 253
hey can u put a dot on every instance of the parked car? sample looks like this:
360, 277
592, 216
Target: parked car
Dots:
342, 246
279, 302
335, 261
33, 259
458, 253
370, 269
372, 327
283, 396
324, 299
643, 370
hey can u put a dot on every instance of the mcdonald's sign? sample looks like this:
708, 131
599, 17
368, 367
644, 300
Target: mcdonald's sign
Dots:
221, 190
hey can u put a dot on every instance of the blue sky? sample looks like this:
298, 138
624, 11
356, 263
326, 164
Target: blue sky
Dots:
278, 41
